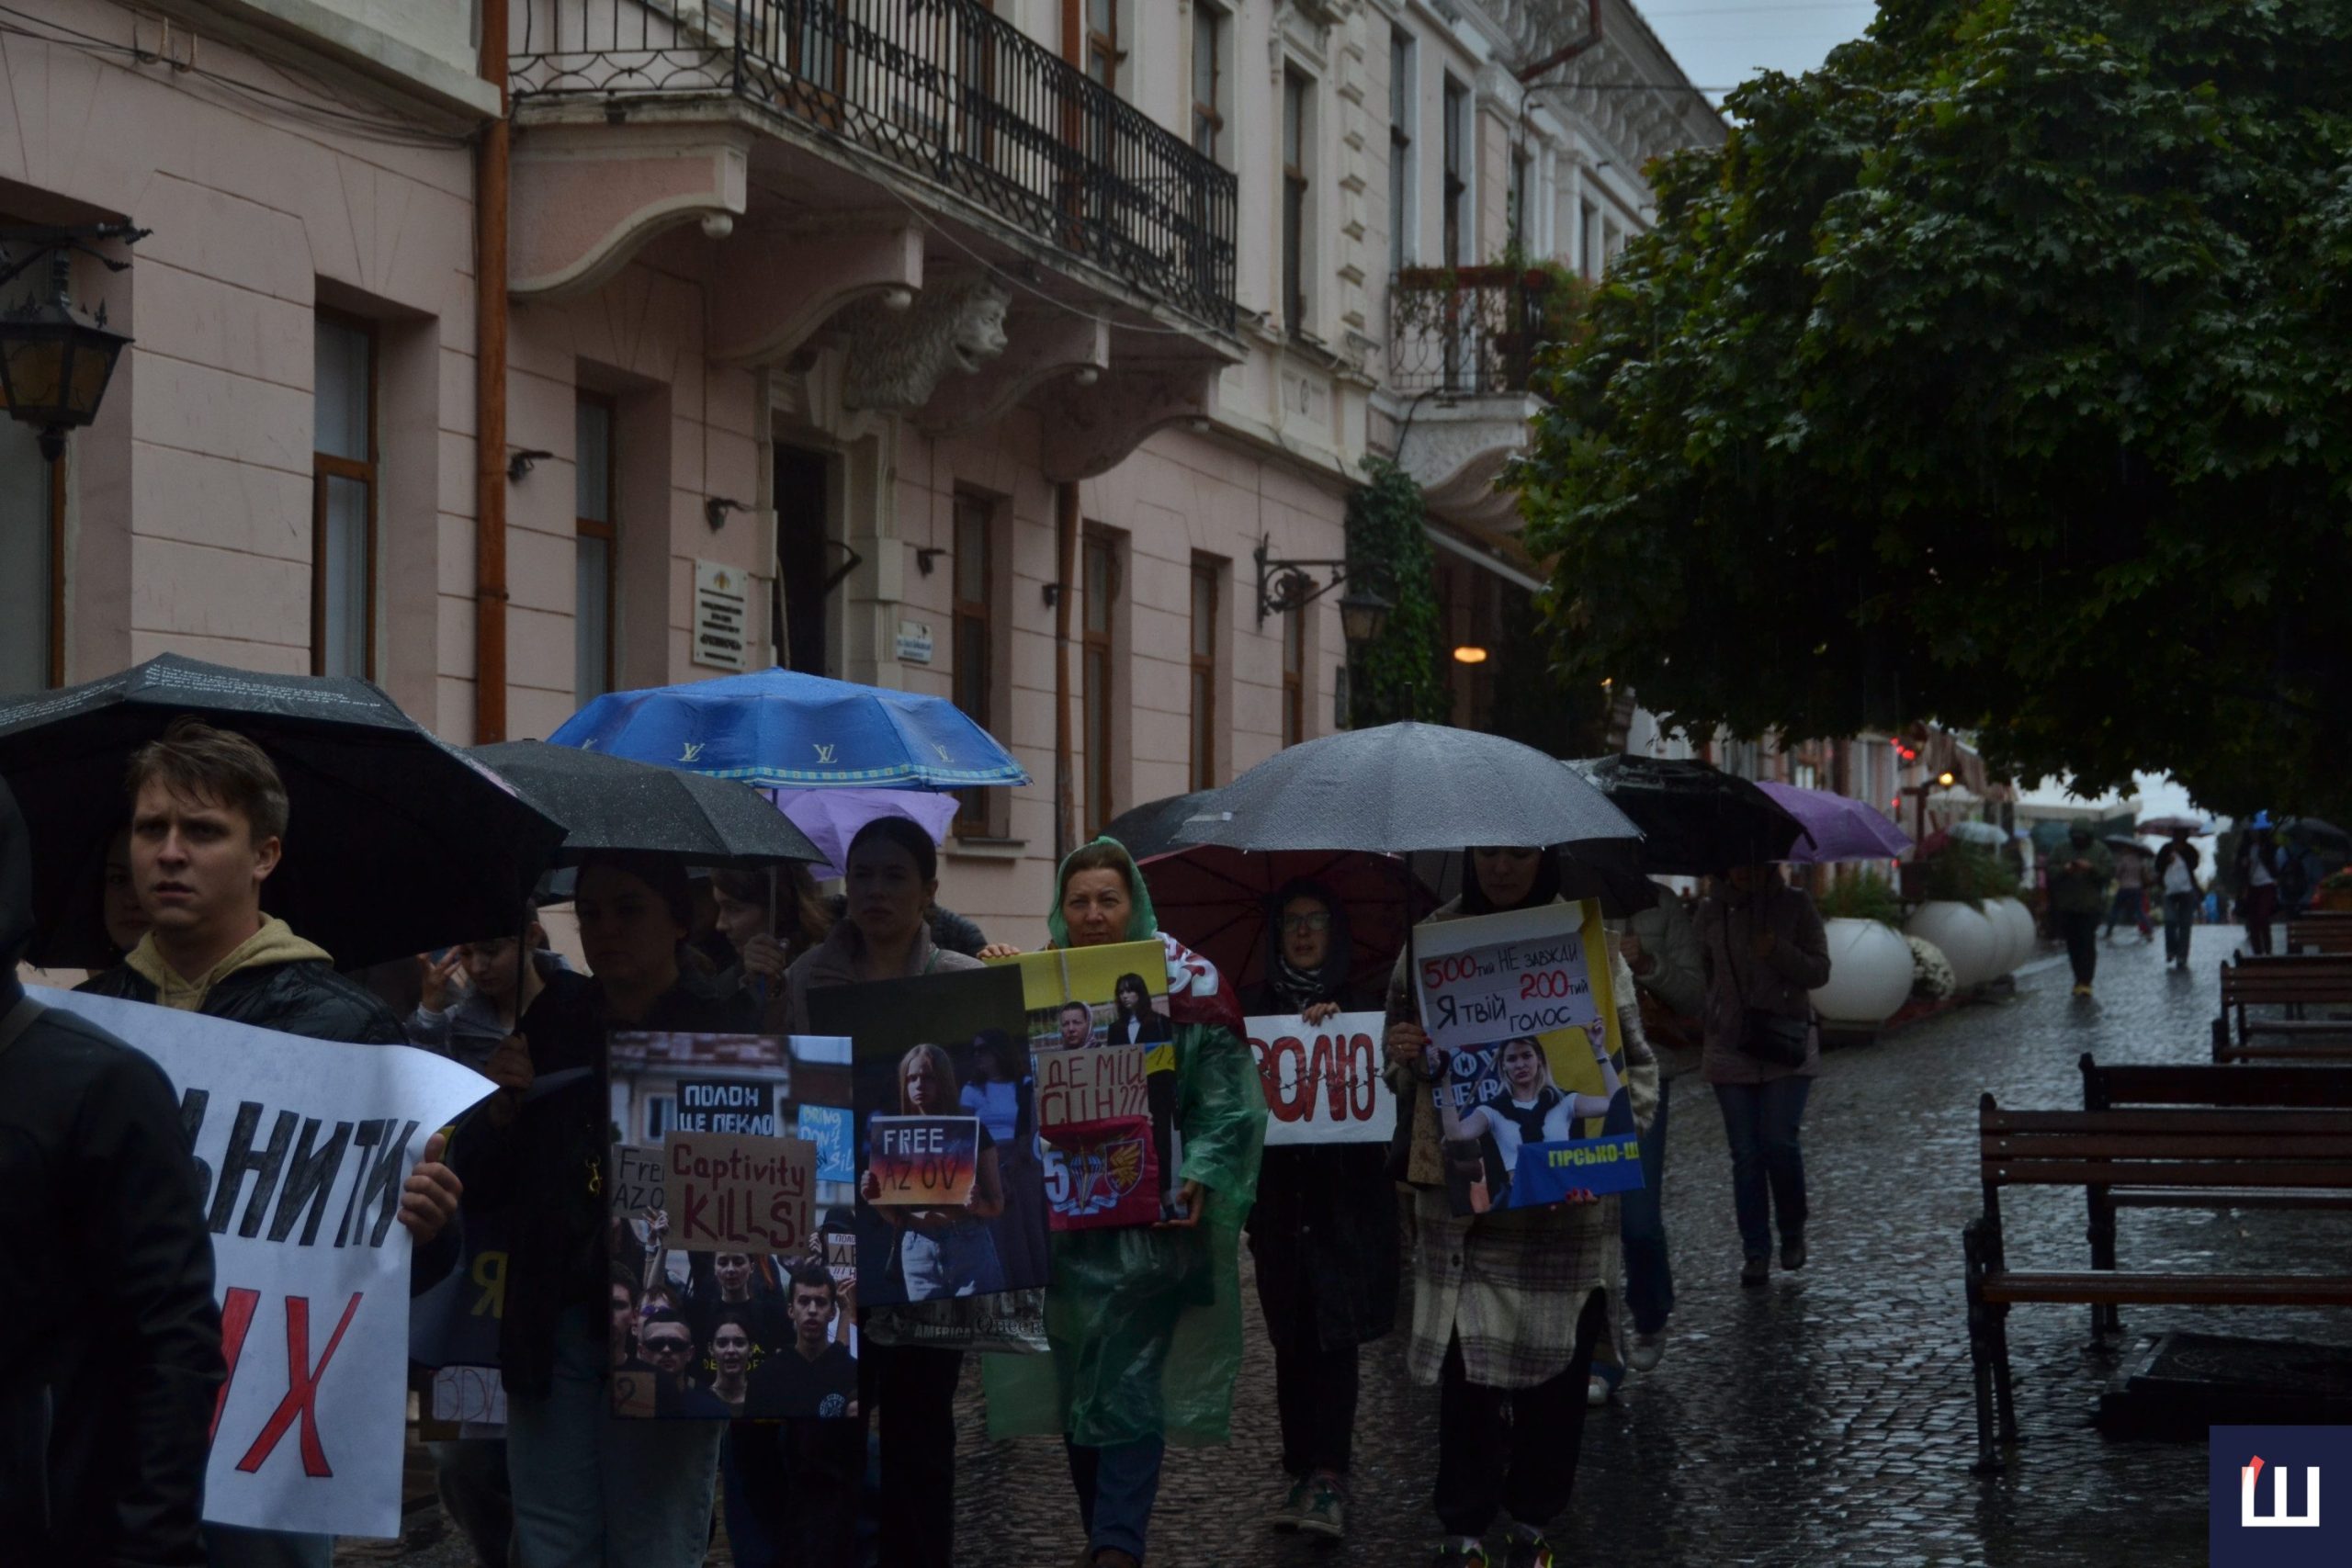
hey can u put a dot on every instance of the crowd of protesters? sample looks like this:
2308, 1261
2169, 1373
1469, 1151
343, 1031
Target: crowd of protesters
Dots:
1519, 1318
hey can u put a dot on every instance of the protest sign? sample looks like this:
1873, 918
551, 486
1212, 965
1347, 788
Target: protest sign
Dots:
924, 1161
1113, 1000
828, 1127
1095, 1085
731, 1194
454, 1329
1531, 1100
638, 1177
944, 1045
721, 1105
303, 1147
1322, 1081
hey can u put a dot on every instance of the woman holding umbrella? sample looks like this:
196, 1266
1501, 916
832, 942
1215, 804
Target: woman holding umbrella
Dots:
588, 1486
1507, 1306
1323, 1235
1121, 1299
892, 873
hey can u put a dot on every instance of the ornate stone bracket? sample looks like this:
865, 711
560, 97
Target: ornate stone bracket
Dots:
1091, 430
1043, 347
895, 360
1457, 454
587, 199
782, 290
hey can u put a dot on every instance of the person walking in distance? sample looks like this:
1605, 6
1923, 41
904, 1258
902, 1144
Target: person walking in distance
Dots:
2257, 883
2131, 903
1765, 951
2078, 876
2176, 874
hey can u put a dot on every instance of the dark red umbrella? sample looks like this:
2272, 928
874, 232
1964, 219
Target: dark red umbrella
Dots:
1214, 900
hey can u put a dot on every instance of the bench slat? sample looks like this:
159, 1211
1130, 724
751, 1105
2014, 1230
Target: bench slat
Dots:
2170, 1146
2160, 1173
2306, 1088
2181, 1289
2225, 1198
2161, 1122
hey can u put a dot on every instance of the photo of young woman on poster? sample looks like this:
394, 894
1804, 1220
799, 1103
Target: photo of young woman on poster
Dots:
943, 1252
1134, 1022
1524, 1105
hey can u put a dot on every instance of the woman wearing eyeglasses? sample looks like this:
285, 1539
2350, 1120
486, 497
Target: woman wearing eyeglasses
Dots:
1323, 1234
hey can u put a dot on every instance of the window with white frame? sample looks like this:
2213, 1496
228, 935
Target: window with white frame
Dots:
1209, 32
1401, 248
1298, 232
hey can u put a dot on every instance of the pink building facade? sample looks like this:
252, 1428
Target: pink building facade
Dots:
976, 349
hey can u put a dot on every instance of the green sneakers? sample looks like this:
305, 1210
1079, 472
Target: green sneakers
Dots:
1286, 1514
1326, 1511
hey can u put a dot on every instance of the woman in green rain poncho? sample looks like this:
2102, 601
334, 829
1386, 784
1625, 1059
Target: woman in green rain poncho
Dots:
1145, 1323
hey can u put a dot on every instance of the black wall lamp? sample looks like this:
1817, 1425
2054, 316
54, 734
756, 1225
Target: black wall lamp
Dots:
522, 461
925, 555
1284, 587
716, 508
56, 359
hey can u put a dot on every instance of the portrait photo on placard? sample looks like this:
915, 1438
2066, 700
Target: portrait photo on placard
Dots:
1104, 1055
950, 1194
730, 1242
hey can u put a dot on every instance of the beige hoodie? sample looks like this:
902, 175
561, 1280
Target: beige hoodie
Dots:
274, 943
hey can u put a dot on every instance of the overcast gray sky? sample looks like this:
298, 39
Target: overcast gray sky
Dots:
1719, 43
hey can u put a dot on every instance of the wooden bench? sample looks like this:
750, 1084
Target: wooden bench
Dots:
2320, 934
2141, 1086
2169, 1151
2297, 983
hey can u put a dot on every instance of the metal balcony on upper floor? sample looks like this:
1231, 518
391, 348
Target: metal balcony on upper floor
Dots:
943, 91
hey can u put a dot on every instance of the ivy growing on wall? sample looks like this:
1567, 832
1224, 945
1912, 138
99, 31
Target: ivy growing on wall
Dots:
1395, 677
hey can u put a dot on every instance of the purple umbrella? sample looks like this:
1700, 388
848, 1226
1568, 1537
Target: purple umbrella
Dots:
830, 818
1841, 829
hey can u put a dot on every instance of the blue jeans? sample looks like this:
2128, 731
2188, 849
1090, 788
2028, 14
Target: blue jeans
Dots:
958, 1261
1649, 1278
1116, 1486
2180, 919
593, 1489
1761, 1121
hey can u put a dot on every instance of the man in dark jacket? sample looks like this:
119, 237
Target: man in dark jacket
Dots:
207, 819
108, 1378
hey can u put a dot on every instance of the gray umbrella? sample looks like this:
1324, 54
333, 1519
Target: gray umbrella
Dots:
612, 804
1404, 787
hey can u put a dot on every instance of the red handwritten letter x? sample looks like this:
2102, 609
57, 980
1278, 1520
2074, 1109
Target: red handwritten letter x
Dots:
302, 1388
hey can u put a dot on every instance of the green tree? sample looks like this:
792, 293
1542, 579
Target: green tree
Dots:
1395, 676
1995, 372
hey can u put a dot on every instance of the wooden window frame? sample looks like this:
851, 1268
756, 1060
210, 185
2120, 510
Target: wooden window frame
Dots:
977, 811
1297, 190
1098, 658
608, 529
1456, 179
1403, 61
1102, 51
1211, 20
363, 472
1201, 763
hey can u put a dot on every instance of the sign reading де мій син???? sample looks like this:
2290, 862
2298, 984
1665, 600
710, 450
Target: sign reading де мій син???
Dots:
737, 1194
722, 598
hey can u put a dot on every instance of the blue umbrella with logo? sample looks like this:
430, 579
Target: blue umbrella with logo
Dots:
783, 730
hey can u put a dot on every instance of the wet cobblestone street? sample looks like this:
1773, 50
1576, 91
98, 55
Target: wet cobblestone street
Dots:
1825, 1422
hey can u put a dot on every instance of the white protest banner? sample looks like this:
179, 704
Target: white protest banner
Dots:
1495, 977
303, 1147
1322, 1081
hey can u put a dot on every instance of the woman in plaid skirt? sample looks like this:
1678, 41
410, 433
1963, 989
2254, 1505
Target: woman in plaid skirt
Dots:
1506, 1305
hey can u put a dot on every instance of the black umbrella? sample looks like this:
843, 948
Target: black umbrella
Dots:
395, 842
611, 803
1150, 829
2316, 833
1696, 821
1404, 787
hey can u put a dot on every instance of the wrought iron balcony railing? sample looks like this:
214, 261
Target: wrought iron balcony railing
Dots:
944, 89
1468, 329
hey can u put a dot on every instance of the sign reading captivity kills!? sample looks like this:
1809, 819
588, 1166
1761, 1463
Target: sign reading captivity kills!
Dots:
1322, 1081
736, 1194
302, 1149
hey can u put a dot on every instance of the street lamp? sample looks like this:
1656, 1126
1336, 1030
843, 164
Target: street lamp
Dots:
1363, 615
56, 359
1285, 588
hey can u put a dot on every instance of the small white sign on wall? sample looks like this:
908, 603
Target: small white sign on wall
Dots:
914, 642
722, 602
